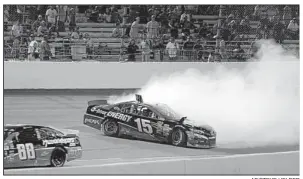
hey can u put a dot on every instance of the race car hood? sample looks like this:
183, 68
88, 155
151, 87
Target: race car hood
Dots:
68, 132
196, 125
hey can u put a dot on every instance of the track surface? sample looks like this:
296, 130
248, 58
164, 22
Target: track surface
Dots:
66, 111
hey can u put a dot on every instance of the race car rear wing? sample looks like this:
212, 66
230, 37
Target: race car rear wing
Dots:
97, 102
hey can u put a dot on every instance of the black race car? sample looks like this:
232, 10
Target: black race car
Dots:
155, 122
35, 146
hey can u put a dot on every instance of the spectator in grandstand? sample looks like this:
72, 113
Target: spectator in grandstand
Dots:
45, 51
53, 29
42, 29
226, 33
287, 15
72, 19
145, 46
88, 12
188, 48
134, 29
293, 29
211, 57
222, 48
272, 11
160, 47
186, 27
37, 23
185, 14
107, 15
172, 48
33, 51
229, 18
278, 30
6, 16
17, 30
132, 50
163, 18
174, 32
20, 11
115, 16
51, 16
76, 34
62, 11
257, 13
239, 52
89, 45
16, 47
198, 48
244, 27
117, 32
152, 28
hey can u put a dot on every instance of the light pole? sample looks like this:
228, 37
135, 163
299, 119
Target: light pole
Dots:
219, 29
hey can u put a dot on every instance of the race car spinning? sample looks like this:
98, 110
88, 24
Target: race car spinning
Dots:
155, 122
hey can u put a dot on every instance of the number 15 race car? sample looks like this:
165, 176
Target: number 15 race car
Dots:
154, 122
33, 146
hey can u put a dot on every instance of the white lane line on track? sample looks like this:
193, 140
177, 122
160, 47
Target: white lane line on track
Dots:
152, 161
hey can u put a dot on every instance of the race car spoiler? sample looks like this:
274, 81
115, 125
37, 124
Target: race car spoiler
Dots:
97, 102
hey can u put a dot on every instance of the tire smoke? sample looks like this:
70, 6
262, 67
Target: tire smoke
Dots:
248, 104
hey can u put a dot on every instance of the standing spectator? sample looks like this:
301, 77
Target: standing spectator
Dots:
188, 48
37, 23
131, 50
172, 48
198, 47
287, 15
20, 11
145, 47
185, 14
222, 48
115, 16
76, 34
62, 11
17, 30
152, 28
174, 31
257, 13
51, 16
239, 52
72, 19
33, 52
134, 30
278, 30
45, 51
293, 29
160, 47
186, 27
117, 32
6, 17
42, 29
89, 45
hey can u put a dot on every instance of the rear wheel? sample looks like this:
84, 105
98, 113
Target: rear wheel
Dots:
58, 157
110, 128
178, 137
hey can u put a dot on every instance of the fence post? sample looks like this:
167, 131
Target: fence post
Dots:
219, 29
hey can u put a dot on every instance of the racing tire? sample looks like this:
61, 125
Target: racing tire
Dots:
178, 137
110, 128
58, 157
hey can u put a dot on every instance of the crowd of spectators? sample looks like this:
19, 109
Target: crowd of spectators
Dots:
148, 26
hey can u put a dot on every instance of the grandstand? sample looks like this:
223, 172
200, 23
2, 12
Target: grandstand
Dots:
98, 43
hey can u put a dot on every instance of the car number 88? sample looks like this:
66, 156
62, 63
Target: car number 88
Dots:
26, 151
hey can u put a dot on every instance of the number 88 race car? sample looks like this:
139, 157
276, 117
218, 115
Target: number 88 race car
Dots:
155, 122
32, 146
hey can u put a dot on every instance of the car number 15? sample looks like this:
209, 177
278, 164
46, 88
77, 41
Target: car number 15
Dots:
144, 125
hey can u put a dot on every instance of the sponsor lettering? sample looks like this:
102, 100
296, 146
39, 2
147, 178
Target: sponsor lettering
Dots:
92, 121
58, 141
99, 111
119, 116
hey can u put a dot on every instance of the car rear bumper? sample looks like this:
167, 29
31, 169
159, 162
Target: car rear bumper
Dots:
200, 141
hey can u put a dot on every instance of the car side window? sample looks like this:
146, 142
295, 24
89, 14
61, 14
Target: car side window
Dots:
27, 135
129, 108
146, 112
46, 133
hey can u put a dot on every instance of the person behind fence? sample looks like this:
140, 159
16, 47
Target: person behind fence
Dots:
33, 51
45, 51
198, 48
239, 52
131, 50
145, 46
293, 29
61, 19
16, 30
160, 48
42, 29
152, 28
72, 19
37, 23
188, 48
172, 48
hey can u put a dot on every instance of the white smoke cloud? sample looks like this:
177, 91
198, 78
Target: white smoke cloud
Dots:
253, 105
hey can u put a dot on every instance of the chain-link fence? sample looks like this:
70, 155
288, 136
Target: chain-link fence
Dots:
223, 30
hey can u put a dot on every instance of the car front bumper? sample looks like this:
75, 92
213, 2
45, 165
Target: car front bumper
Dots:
200, 141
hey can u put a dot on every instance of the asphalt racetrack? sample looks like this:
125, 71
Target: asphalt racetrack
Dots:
107, 155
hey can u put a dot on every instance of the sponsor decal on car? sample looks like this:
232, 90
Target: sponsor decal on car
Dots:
119, 116
58, 141
92, 121
99, 111
74, 152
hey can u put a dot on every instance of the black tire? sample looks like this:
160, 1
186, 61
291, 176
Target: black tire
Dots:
110, 128
58, 157
178, 137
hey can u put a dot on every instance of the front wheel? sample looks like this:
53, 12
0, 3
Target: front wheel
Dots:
110, 128
58, 157
178, 137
